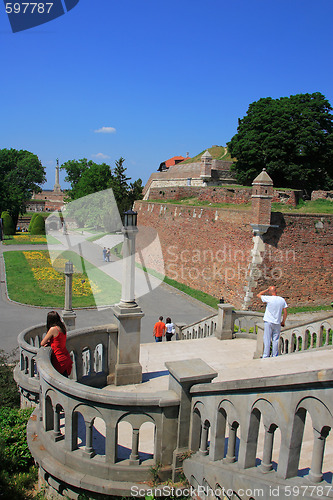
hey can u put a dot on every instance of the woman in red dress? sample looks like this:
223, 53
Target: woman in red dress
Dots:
56, 338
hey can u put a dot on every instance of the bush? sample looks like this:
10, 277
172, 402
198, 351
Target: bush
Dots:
9, 394
31, 223
8, 224
38, 225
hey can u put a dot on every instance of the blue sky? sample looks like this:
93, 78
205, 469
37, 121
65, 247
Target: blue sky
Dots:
162, 77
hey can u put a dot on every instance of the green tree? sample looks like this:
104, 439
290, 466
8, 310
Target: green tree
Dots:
87, 177
292, 137
31, 223
8, 224
21, 172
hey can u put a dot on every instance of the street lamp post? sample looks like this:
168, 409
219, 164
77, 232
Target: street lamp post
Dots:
128, 314
68, 315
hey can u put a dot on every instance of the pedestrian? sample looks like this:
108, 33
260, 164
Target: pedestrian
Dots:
169, 329
108, 253
104, 254
272, 319
159, 330
56, 338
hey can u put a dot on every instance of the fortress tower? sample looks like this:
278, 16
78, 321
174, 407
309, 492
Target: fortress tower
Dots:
262, 194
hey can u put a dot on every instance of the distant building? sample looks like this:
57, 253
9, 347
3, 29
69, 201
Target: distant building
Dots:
212, 168
48, 200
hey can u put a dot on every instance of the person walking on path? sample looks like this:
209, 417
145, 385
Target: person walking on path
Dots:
56, 338
104, 254
272, 319
159, 330
169, 329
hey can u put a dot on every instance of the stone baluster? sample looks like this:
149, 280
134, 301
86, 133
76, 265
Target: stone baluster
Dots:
89, 450
315, 473
231, 452
203, 450
266, 464
56, 429
134, 457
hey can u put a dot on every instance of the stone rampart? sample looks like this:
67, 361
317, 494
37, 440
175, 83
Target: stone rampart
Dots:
211, 250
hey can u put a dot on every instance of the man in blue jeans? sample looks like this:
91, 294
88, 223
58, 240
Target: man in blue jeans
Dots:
272, 319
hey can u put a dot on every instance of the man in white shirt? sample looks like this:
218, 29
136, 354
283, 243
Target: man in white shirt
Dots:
272, 319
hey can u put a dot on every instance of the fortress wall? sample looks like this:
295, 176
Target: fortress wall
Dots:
205, 248
177, 189
210, 249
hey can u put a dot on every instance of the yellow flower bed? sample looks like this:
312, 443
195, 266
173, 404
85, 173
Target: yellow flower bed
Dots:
50, 278
29, 238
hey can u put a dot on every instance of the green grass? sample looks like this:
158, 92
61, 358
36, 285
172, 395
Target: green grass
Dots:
195, 202
294, 310
49, 291
305, 207
217, 153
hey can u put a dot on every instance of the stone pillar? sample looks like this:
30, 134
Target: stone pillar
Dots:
231, 452
56, 430
183, 375
315, 474
206, 167
260, 342
68, 315
225, 322
266, 464
203, 450
89, 431
134, 457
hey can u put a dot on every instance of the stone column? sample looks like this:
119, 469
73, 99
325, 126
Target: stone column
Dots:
231, 453
56, 429
68, 315
203, 450
89, 431
266, 464
315, 473
134, 457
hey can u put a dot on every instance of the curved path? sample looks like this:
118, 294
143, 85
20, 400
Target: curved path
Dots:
163, 300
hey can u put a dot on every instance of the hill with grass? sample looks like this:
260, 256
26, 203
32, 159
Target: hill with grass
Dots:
217, 153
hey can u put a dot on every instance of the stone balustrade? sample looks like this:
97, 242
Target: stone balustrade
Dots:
225, 422
300, 336
246, 322
73, 433
304, 336
200, 329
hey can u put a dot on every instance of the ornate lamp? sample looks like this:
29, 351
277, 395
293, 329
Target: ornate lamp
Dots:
130, 218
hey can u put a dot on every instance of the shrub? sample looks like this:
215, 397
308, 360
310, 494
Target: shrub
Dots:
31, 223
8, 224
38, 225
9, 394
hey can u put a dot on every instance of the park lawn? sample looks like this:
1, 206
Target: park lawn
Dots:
31, 279
29, 239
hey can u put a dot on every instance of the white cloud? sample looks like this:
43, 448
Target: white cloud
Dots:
100, 156
105, 130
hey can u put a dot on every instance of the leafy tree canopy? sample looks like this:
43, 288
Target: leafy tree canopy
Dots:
87, 177
292, 137
21, 172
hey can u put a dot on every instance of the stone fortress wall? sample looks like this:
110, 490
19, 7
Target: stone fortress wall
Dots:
211, 250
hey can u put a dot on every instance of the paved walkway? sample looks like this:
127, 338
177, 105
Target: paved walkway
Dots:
163, 300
